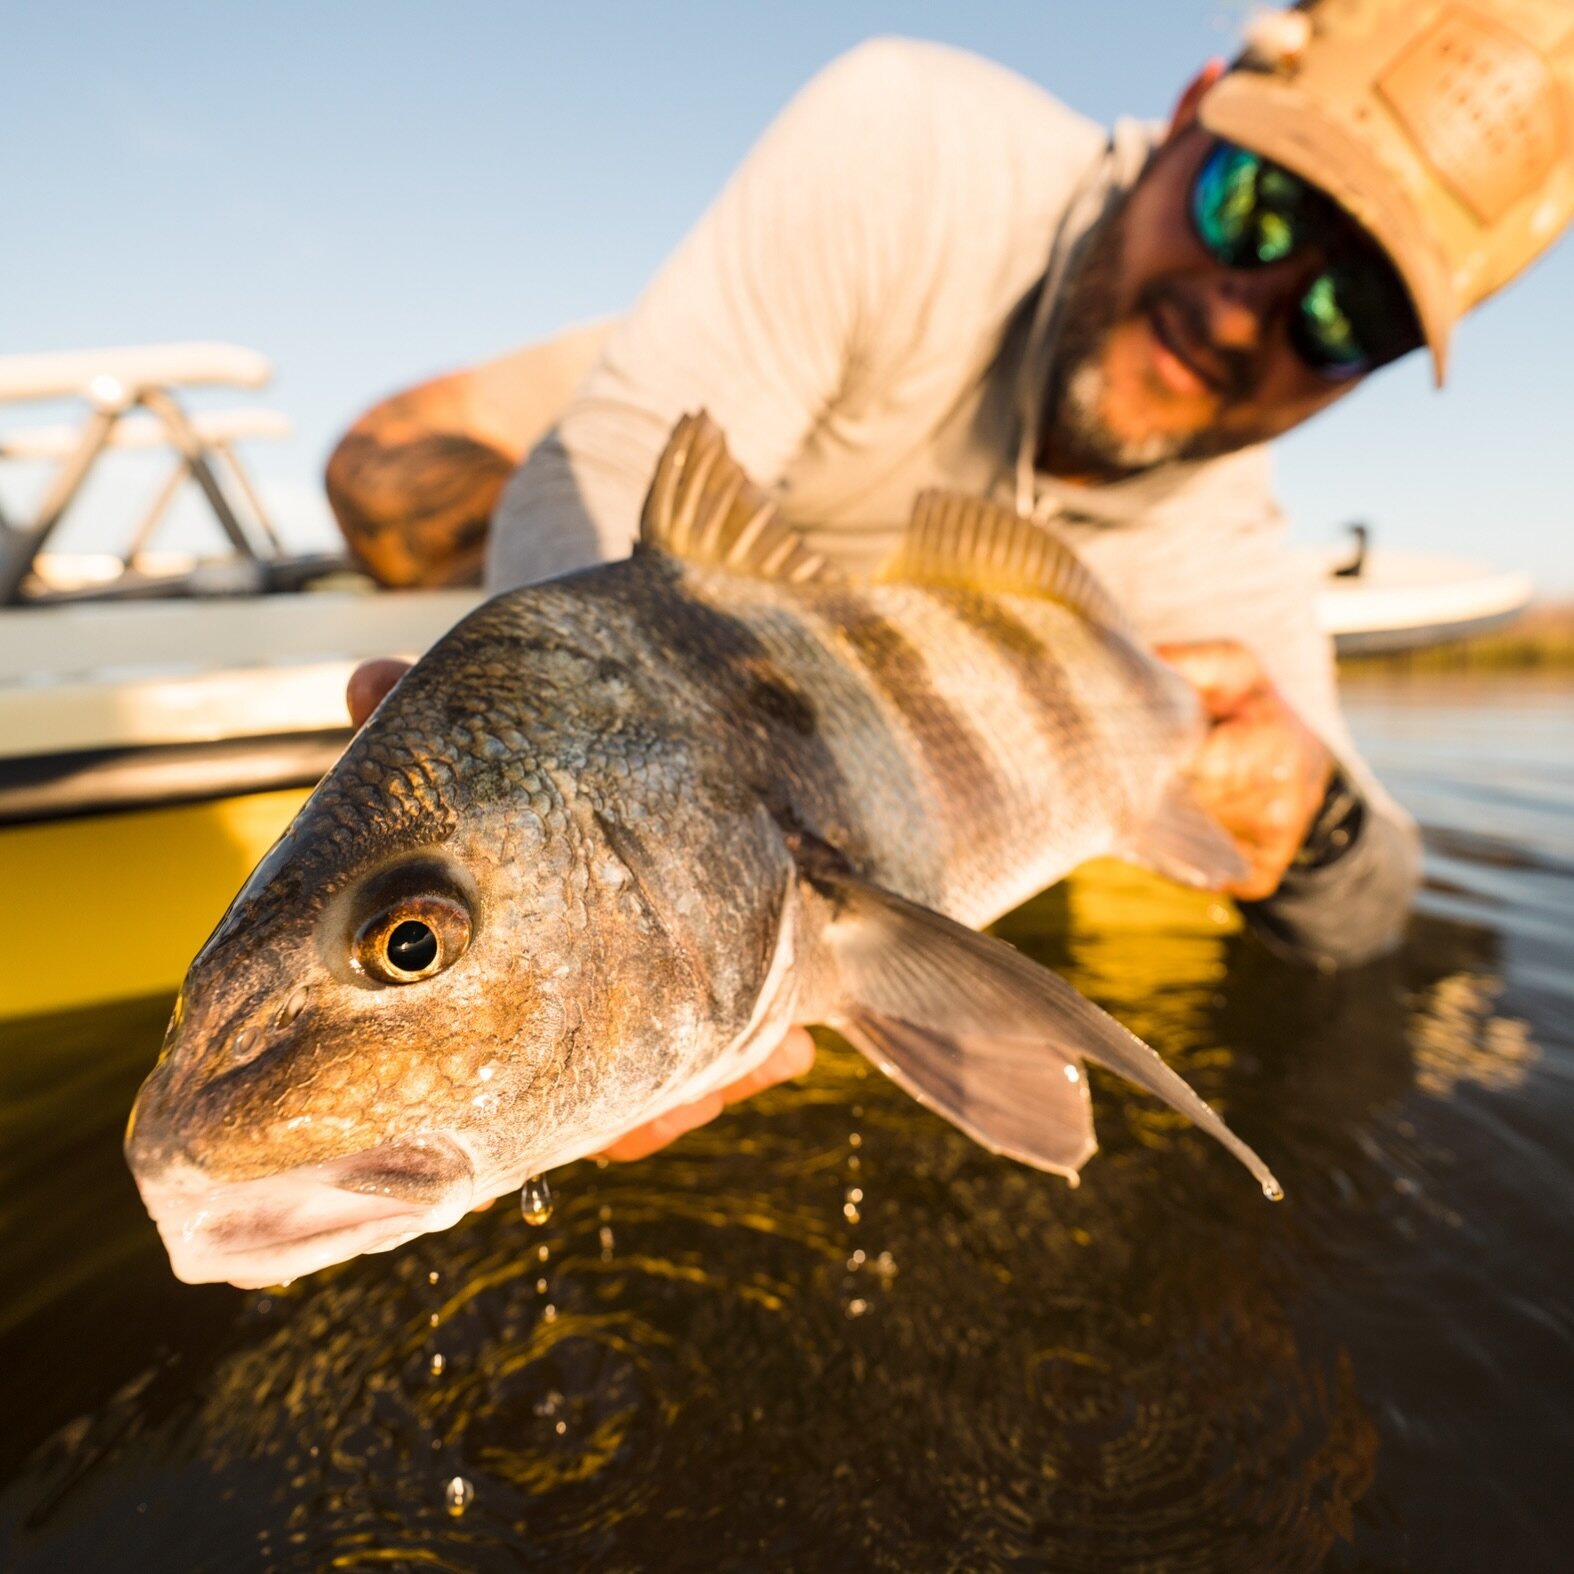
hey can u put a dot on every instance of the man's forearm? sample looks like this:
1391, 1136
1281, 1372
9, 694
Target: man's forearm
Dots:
1347, 901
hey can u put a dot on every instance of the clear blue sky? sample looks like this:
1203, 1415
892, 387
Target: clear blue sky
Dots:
370, 193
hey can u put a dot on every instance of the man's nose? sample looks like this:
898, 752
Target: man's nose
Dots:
1242, 304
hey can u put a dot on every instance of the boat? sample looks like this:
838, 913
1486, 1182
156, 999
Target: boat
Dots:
1373, 599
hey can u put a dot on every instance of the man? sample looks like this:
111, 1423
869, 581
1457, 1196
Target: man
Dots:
929, 273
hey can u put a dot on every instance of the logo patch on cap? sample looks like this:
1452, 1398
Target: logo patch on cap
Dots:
1481, 107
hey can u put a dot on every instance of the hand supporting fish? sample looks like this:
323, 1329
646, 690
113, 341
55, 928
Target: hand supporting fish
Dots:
1261, 771
615, 835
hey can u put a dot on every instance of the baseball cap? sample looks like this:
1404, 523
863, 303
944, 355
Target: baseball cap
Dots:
1445, 128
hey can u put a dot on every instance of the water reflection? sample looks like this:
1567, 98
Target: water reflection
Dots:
1459, 1037
827, 1331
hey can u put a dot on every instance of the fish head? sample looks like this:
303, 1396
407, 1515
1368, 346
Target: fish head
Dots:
366, 1046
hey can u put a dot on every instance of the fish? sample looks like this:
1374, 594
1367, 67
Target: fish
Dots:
615, 833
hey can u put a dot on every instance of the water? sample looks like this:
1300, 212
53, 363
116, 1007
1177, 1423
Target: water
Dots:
829, 1332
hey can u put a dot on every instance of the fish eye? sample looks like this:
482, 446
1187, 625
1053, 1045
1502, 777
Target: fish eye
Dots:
411, 940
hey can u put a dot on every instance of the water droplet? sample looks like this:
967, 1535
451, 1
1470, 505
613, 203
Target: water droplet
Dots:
561, 1428
549, 1313
856, 1261
535, 1200
437, 1363
857, 1306
1272, 1190
433, 1319
458, 1495
243, 1043
433, 1277
541, 1287
855, 1194
853, 1162
549, 1403
543, 1253
608, 1241
1073, 1074
850, 1212
854, 1140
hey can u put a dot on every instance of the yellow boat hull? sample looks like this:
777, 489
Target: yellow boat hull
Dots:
117, 905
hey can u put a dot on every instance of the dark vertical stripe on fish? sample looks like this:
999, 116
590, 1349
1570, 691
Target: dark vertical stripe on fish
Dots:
1061, 718
727, 662
950, 745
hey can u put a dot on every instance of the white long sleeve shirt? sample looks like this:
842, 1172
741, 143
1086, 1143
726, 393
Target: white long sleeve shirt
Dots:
869, 309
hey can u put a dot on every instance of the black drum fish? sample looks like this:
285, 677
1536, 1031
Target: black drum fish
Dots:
615, 833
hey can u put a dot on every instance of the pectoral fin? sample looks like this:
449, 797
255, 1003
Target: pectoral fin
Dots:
985, 1037
1185, 844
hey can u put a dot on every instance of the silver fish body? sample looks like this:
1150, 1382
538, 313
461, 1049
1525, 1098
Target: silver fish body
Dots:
624, 828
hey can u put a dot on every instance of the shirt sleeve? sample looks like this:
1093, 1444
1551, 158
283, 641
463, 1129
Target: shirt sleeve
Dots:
1214, 563
1352, 910
759, 317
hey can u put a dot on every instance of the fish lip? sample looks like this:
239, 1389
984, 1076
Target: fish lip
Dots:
272, 1228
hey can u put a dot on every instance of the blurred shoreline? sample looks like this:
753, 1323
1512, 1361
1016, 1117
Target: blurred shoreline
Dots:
1542, 639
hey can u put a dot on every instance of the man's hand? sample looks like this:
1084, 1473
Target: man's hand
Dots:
792, 1057
1261, 772
368, 684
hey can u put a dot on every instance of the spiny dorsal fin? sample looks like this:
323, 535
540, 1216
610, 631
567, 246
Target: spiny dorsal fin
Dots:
969, 541
702, 507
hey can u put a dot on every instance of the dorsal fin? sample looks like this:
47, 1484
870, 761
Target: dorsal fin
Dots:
970, 541
703, 508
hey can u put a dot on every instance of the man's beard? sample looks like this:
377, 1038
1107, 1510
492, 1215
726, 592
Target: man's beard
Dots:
1077, 437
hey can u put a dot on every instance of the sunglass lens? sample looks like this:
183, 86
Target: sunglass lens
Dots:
1324, 335
1354, 317
1246, 210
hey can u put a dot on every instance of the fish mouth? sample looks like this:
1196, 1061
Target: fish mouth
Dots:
274, 1228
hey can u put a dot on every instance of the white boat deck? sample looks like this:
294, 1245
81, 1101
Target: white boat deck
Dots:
97, 675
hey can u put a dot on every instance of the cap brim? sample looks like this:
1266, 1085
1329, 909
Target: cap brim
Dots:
1272, 117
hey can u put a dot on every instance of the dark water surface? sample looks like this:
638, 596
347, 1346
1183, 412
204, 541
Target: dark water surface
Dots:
828, 1332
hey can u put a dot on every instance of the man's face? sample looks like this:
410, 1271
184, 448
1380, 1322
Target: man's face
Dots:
1166, 354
